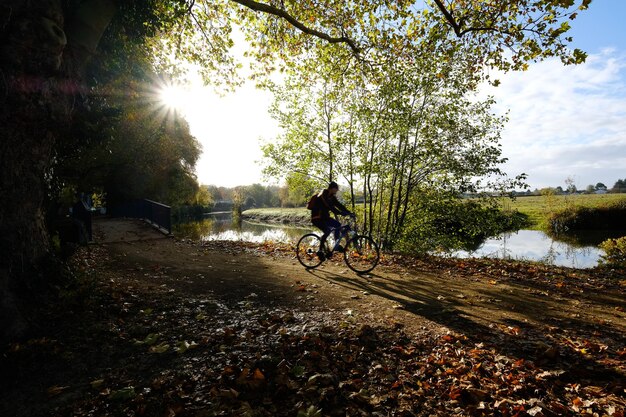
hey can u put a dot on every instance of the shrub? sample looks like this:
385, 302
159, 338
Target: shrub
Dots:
188, 212
611, 216
615, 252
445, 224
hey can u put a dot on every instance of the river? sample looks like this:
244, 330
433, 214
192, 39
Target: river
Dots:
222, 227
530, 245
534, 245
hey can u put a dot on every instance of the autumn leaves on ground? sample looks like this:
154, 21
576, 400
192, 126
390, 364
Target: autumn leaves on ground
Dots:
161, 327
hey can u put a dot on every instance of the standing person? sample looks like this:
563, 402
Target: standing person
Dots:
325, 202
81, 211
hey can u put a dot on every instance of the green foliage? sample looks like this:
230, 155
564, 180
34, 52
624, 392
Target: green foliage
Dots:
122, 139
300, 188
203, 197
142, 157
262, 196
614, 252
540, 208
607, 217
505, 35
389, 139
238, 202
619, 186
440, 221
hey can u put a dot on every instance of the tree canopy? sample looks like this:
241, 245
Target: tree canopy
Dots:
506, 34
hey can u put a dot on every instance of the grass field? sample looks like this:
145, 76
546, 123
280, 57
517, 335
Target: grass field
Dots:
298, 215
539, 208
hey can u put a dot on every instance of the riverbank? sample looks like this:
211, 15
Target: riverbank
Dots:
539, 209
286, 216
158, 326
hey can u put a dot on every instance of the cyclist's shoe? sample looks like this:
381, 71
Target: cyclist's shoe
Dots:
321, 255
329, 255
340, 248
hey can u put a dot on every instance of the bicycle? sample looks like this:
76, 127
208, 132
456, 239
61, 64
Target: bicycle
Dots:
361, 253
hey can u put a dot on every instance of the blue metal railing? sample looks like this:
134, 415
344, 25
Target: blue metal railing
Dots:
153, 212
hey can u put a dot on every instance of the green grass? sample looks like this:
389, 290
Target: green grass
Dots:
539, 208
280, 215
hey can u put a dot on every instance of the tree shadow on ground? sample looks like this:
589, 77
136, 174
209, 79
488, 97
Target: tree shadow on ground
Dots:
518, 319
139, 286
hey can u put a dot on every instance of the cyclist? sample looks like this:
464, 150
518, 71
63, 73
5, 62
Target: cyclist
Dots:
325, 202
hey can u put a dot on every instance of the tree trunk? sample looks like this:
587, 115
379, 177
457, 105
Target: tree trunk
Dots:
25, 155
35, 102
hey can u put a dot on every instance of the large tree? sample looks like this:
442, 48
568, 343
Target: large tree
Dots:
45, 45
418, 131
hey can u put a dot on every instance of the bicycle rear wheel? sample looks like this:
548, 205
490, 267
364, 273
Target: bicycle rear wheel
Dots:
361, 254
306, 250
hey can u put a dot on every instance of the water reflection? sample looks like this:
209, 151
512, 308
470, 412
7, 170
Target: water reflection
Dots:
535, 245
529, 245
222, 227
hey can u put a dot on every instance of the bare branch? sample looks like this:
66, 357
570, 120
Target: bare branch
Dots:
266, 8
451, 20
458, 26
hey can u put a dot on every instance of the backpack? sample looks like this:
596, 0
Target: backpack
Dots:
312, 201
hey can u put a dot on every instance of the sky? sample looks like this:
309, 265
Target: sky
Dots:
564, 121
230, 129
570, 121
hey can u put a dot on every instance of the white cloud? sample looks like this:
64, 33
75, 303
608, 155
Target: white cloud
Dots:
565, 121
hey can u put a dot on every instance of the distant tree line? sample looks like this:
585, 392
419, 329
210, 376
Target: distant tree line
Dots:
220, 198
292, 194
618, 187
247, 196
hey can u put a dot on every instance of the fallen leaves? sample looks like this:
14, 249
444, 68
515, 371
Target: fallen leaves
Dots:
55, 390
123, 394
280, 363
170, 354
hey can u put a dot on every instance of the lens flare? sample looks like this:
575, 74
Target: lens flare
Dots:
174, 96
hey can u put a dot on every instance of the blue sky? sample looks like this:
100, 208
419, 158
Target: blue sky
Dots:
601, 26
570, 121
564, 121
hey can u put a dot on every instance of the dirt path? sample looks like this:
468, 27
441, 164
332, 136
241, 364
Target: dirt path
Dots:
449, 296
239, 302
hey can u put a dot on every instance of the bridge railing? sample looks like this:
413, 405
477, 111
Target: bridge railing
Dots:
153, 212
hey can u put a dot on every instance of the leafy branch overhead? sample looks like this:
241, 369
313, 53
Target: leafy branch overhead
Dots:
530, 30
504, 35
269, 9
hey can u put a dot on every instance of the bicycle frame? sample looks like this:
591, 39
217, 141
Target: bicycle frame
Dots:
344, 230
360, 253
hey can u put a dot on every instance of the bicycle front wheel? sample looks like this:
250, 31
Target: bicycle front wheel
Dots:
306, 250
361, 254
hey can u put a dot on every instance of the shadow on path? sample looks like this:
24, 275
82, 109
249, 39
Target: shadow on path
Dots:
519, 319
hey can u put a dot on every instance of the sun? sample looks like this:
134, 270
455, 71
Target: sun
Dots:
174, 96
172, 99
